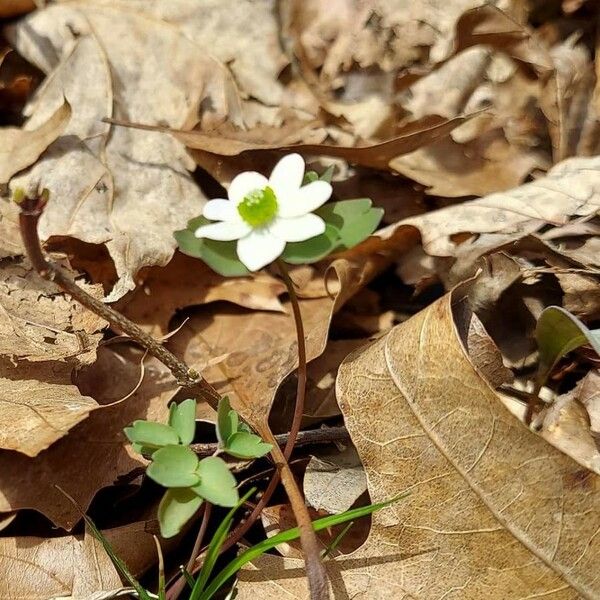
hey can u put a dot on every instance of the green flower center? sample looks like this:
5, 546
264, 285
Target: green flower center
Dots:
258, 207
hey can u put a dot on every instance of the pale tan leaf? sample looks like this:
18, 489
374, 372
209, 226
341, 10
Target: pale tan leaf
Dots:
40, 323
22, 147
64, 567
494, 510
333, 481
38, 405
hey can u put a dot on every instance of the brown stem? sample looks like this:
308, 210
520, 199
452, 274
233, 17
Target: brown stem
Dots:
315, 571
316, 574
309, 437
180, 583
301, 386
31, 210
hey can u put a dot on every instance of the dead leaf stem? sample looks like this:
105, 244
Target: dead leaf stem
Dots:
187, 378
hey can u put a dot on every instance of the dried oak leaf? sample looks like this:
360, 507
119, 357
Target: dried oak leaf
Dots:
570, 189
95, 453
493, 510
186, 281
38, 405
116, 186
44, 336
39, 323
255, 351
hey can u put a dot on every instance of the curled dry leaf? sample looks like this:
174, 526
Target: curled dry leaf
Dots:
95, 453
570, 189
493, 510
22, 147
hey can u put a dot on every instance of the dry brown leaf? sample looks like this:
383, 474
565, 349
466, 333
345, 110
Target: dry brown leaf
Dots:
12, 8
334, 481
570, 189
566, 425
64, 567
378, 156
22, 147
572, 422
186, 281
71, 567
389, 35
38, 405
487, 164
493, 509
39, 323
95, 453
259, 349
320, 402
127, 189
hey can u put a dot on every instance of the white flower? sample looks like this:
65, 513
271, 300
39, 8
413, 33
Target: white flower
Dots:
264, 214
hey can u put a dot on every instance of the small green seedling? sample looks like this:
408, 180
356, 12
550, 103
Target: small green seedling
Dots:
235, 437
174, 465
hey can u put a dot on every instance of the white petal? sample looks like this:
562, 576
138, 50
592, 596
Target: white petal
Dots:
244, 183
220, 210
224, 231
298, 229
259, 248
305, 200
286, 178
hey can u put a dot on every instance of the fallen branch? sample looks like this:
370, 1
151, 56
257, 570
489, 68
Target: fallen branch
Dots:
186, 377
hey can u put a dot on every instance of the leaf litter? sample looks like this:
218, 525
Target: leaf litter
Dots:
474, 126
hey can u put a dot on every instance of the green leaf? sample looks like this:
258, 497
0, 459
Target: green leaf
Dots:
219, 256
558, 332
182, 418
227, 421
347, 223
313, 249
214, 548
309, 177
149, 433
176, 508
286, 536
144, 450
247, 445
174, 466
217, 484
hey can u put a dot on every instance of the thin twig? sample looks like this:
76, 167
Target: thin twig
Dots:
309, 437
179, 585
187, 378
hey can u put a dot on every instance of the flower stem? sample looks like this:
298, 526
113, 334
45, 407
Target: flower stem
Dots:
187, 378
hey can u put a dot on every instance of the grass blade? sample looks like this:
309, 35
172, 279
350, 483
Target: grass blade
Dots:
287, 536
212, 554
